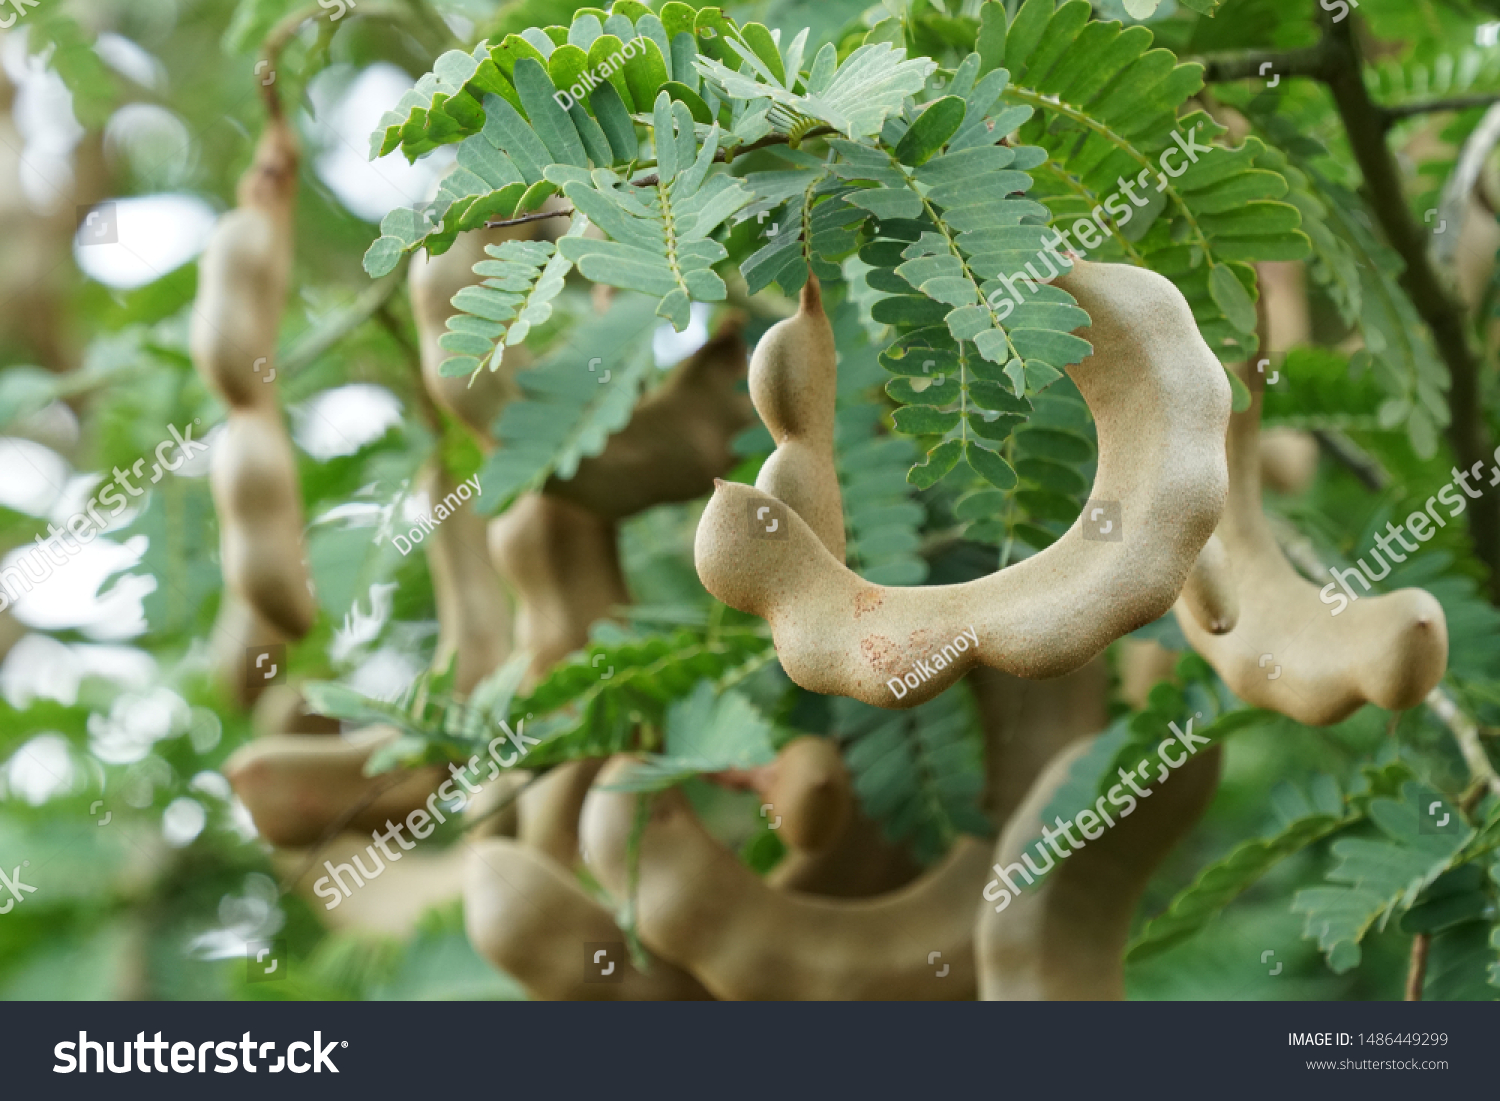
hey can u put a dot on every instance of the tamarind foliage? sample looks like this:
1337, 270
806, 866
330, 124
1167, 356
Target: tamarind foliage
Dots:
634, 179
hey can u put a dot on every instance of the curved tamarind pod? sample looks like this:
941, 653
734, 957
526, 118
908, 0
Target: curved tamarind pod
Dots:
243, 276
253, 476
1028, 722
565, 566
1142, 665
1064, 938
860, 862
240, 634
434, 280
794, 383
1160, 399
678, 439
1209, 594
548, 810
295, 787
502, 823
810, 791
703, 910
1288, 459
527, 916
393, 902
1389, 650
473, 612
282, 710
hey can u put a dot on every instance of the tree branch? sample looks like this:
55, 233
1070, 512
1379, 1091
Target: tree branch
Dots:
1360, 462
1398, 111
1310, 61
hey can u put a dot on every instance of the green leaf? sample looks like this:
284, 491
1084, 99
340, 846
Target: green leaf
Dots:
938, 122
705, 733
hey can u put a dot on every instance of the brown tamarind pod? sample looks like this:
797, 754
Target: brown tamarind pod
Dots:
794, 383
1142, 665
1209, 594
1160, 400
474, 622
239, 637
860, 862
564, 563
678, 439
295, 787
527, 915
243, 277
1290, 650
434, 280
1288, 459
548, 810
390, 904
1064, 937
253, 476
809, 789
282, 709
700, 908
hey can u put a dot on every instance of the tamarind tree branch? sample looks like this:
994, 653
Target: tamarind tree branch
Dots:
369, 302
1396, 112
1308, 61
1359, 462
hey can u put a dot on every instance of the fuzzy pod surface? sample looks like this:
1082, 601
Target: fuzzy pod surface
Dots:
1161, 402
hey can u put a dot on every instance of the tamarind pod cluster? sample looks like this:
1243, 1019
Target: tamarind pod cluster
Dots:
295, 786
1209, 594
474, 620
564, 564
1289, 652
548, 810
253, 476
794, 384
1028, 722
700, 908
434, 280
1288, 459
530, 918
1064, 938
678, 439
1160, 399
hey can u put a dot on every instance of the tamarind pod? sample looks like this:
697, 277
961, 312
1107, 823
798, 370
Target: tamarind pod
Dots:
474, 627
1027, 722
1283, 294
1143, 664
549, 809
527, 915
239, 635
1290, 651
1064, 937
391, 904
1210, 595
502, 823
700, 908
282, 710
794, 383
1288, 459
433, 281
859, 863
295, 786
678, 439
253, 476
1160, 399
564, 564
810, 791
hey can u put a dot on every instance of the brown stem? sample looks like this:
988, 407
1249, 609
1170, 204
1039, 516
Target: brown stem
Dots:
1417, 973
1308, 61
1398, 111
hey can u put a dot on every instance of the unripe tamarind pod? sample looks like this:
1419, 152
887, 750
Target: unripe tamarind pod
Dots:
810, 791
564, 564
434, 280
240, 635
1288, 459
548, 810
527, 915
1028, 722
1291, 650
678, 439
296, 787
1064, 938
1143, 664
474, 627
794, 384
1210, 595
253, 476
1160, 399
243, 276
700, 908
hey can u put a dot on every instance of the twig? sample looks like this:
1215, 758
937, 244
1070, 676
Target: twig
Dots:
534, 216
1397, 111
1309, 61
1460, 184
430, 412
369, 302
1416, 974
1360, 462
